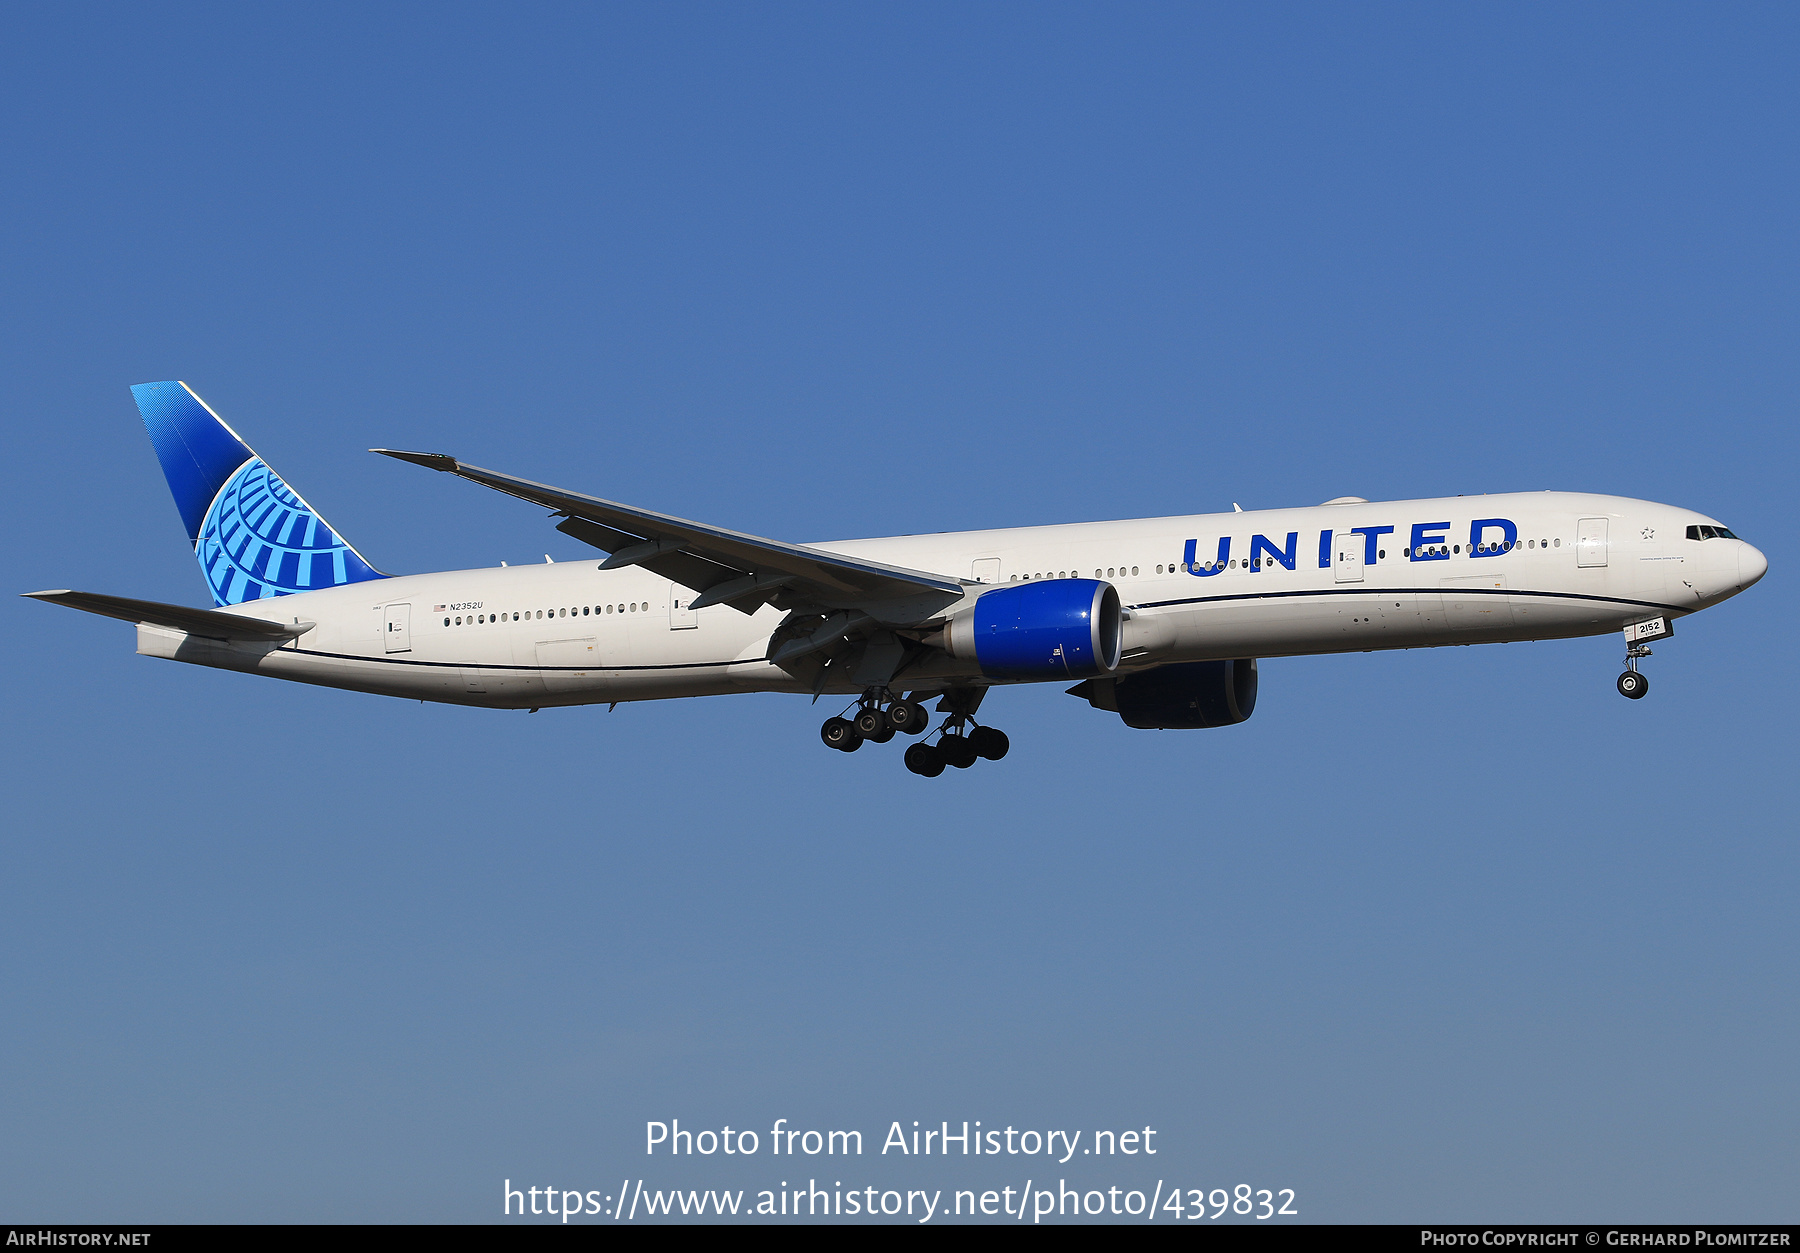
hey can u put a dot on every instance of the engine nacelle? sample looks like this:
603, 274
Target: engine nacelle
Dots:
1045, 629
1182, 696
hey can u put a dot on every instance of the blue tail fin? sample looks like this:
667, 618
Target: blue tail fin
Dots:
254, 536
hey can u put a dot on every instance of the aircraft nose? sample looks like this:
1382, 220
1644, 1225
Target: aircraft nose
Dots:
1752, 565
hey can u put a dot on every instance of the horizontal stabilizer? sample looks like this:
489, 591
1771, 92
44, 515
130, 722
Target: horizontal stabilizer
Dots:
210, 623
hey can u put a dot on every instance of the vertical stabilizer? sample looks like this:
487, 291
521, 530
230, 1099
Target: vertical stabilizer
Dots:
253, 534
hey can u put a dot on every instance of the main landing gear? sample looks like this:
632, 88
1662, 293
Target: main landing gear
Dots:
956, 747
880, 715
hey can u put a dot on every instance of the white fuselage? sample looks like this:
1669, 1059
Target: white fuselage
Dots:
1196, 588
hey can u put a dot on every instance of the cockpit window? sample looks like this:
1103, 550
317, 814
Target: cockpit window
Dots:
1709, 532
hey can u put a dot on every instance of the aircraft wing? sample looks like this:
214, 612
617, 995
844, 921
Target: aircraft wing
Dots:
210, 623
724, 567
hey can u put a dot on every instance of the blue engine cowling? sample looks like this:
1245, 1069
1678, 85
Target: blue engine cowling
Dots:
1045, 629
1182, 696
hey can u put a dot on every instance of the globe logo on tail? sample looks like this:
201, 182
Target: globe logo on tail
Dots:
260, 539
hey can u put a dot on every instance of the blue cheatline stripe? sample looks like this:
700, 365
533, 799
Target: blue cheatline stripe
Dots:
479, 665
1409, 591
719, 665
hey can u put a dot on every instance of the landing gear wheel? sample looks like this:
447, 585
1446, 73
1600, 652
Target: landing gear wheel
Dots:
908, 716
989, 742
956, 750
882, 736
924, 759
1633, 685
840, 733
871, 722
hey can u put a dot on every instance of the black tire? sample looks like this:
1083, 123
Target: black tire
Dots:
925, 760
882, 736
957, 751
840, 733
870, 723
1633, 685
989, 742
908, 716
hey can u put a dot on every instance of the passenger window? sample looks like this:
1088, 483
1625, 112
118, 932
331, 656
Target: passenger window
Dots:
1134, 572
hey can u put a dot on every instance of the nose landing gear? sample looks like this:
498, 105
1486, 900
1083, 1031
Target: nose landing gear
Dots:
1632, 684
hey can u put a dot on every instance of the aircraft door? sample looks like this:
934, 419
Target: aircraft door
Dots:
1590, 542
986, 570
398, 637
1347, 557
681, 618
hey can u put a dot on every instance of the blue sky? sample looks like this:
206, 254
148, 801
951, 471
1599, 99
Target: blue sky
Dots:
1455, 934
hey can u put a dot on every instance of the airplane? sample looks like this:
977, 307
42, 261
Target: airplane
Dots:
1158, 620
